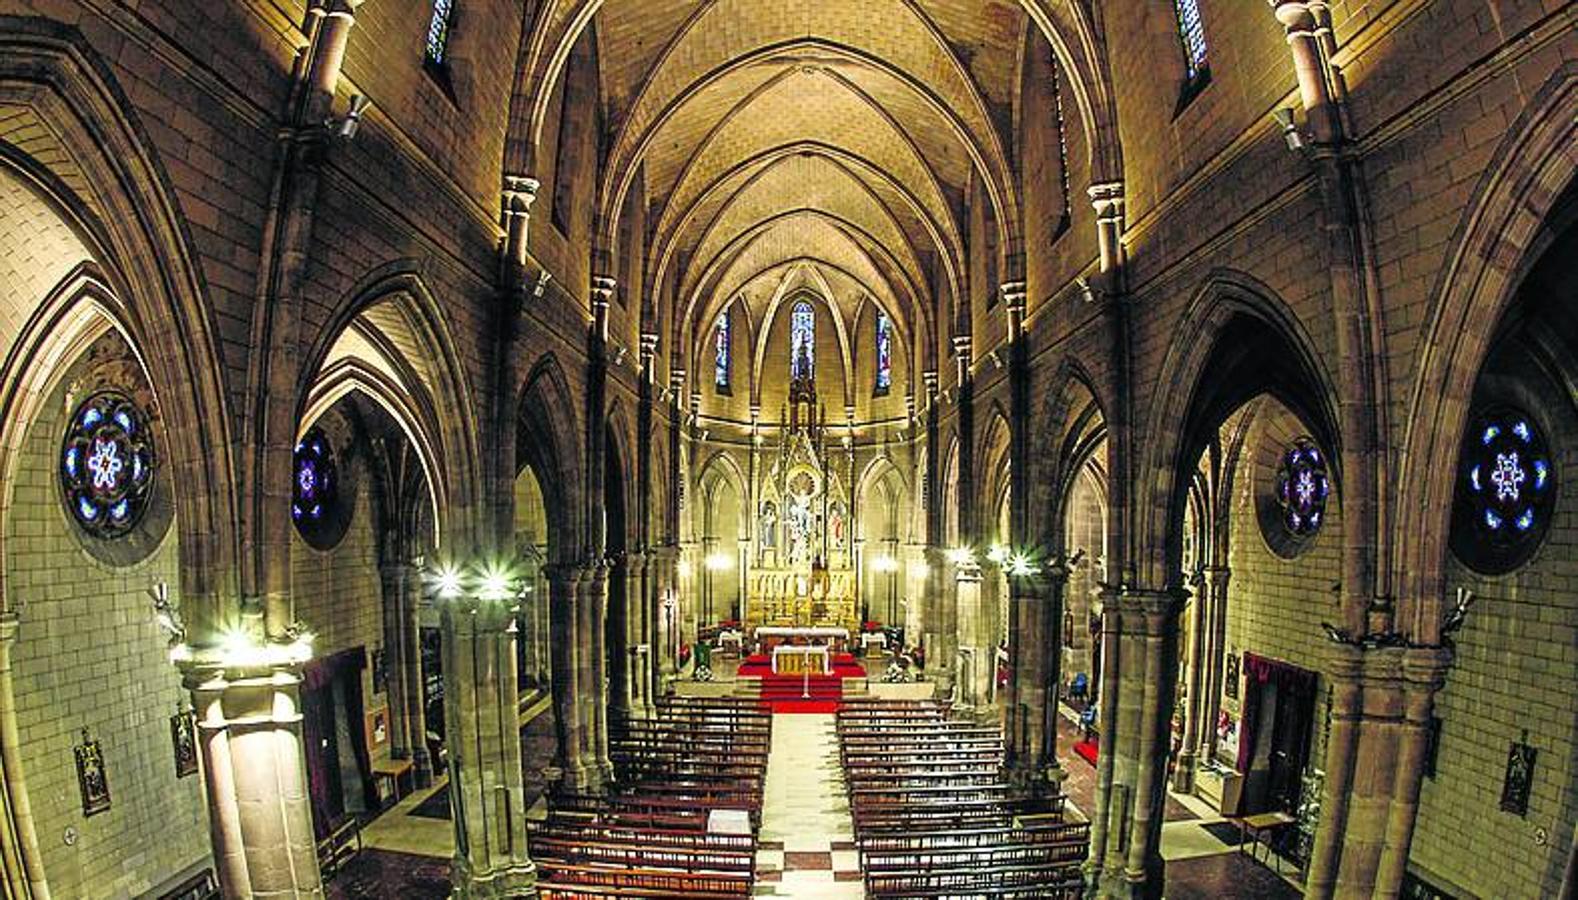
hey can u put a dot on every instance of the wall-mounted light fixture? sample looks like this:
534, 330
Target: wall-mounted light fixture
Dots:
1290, 128
345, 127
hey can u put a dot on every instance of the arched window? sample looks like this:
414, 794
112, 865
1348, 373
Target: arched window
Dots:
315, 483
107, 464
1302, 488
438, 32
720, 352
802, 342
884, 353
1191, 30
1505, 493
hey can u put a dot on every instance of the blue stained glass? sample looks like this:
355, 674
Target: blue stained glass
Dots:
1302, 488
121, 510
438, 31
315, 482
107, 464
125, 421
71, 462
87, 509
884, 352
1491, 519
802, 342
722, 338
92, 417
1503, 502
1473, 478
1542, 473
1525, 521
1191, 29
1522, 431
1491, 433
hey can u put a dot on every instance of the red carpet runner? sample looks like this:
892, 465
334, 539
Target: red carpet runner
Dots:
799, 693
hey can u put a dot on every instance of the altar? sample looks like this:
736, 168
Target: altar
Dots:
793, 660
772, 638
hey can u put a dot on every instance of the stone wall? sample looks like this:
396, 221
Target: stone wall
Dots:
89, 655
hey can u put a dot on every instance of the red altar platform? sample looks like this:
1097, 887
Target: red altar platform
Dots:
802, 693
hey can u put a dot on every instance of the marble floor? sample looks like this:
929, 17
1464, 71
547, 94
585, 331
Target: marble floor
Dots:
807, 837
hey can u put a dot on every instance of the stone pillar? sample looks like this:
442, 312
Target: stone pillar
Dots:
1030, 703
1189, 752
249, 727
481, 708
519, 193
1210, 705
973, 655
1131, 781
593, 647
392, 577
1301, 24
23, 862
564, 603
941, 641
406, 601
1381, 704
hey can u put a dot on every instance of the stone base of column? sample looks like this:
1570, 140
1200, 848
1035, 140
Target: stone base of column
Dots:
518, 880
1035, 781
1119, 884
1184, 773
422, 768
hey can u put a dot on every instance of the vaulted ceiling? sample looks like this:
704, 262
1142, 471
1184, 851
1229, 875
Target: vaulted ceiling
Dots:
855, 136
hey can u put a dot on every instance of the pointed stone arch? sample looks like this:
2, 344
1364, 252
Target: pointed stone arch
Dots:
548, 440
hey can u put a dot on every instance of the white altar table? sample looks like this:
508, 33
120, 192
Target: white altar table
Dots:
836, 637
792, 660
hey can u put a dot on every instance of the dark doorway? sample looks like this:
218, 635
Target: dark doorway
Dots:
1279, 706
333, 728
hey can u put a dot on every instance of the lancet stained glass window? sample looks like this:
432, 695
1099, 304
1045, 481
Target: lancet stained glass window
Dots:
1302, 488
1191, 30
884, 353
1506, 490
438, 32
720, 352
802, 342
107, 464
315, 483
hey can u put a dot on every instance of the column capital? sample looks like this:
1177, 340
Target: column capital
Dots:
1107, 199
520, 192
10, 624
337, 8
1297, 16
649, 345
929, 379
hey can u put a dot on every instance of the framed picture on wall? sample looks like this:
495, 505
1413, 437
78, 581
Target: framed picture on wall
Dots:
380, 671
377, 728
91, 777
1230, 681
1519, 778
183, 743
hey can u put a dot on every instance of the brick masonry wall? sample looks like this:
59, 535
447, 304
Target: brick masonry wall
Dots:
338, 592
89, 654
1513, 670
1275, 605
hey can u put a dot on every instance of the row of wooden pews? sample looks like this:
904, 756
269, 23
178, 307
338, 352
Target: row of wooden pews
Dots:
934, 817
655, 834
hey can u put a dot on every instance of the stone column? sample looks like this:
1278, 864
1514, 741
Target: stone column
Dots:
392, 577
1216, 581
1157, 612
412, 684
1030, 703
1381, 704
941, 640
973, 656
593, 671
248, 713
481, 708
1102, 820
23, 862
1189, 752
564, 602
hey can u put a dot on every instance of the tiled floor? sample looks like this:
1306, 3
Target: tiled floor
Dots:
807, 835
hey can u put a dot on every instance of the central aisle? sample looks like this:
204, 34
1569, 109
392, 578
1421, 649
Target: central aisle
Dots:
808, 838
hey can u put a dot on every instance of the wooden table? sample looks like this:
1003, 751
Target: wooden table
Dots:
390, 771
1268, 824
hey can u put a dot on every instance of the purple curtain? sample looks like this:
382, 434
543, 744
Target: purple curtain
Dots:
1291, 682
314, 693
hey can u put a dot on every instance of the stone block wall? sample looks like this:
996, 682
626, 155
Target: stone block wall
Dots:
89, 655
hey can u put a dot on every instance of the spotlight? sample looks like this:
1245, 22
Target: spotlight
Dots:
447, 582
1290, 129
346, 126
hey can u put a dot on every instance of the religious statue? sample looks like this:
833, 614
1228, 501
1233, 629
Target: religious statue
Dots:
835, 526
769, 525
800, 528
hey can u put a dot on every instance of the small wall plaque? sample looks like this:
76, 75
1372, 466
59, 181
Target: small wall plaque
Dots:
1230, 681
183, 743
1519, 778
91, 776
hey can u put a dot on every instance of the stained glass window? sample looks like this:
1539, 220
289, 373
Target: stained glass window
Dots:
1191, 30
884, 353
315, 484
802, 342
720, 351
1505, 493
438, 32
107, 464
1302, 488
